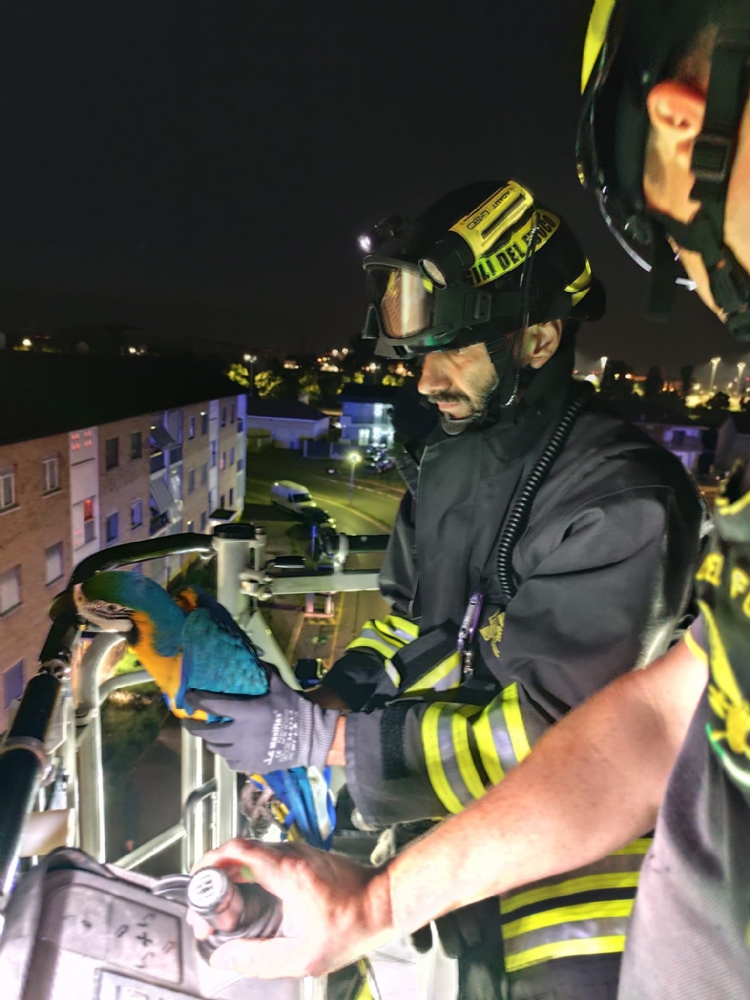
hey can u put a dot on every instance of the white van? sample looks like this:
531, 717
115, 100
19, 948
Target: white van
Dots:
292, 497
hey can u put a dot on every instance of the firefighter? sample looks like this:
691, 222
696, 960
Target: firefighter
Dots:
542, 548
664, 143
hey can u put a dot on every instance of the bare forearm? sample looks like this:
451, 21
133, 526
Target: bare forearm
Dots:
590, 786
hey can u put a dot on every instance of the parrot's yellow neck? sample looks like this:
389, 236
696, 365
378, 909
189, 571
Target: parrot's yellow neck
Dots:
166, 670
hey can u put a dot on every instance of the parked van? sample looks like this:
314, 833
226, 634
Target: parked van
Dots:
292, 497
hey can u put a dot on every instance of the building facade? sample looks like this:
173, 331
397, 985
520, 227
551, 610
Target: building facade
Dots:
366, 415
289, 422
68, 495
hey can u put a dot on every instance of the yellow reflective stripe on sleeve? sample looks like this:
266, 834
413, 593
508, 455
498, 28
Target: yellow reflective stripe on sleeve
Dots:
639, 846
444, 669
595, 36
487, 749
410, 630
435, 772
514, 721
565, 949
586, 883
700, 654
466, 765
568, 914
365, 642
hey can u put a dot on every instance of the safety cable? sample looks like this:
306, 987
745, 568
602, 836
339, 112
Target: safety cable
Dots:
518, 516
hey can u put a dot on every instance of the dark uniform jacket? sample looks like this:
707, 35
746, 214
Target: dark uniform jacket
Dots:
603, 573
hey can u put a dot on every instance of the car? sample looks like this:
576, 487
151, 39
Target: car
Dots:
292, 497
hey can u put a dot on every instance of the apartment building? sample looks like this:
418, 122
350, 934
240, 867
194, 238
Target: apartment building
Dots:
123, 462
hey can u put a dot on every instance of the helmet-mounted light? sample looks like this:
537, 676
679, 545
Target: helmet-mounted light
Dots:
365, 243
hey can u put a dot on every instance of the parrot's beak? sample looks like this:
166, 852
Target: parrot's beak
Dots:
64, 604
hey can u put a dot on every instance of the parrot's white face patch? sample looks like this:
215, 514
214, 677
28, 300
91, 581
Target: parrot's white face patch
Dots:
109, 616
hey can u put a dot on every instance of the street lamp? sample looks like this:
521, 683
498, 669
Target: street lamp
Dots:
714, 366
740, 369
251, 359
353, 458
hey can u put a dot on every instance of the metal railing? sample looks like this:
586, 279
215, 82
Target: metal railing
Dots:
57, 726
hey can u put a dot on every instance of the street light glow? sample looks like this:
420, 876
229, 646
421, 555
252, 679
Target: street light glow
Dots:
26, 342
354, 457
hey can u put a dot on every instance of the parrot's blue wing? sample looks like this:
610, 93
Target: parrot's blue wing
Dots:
310, 805
218, 656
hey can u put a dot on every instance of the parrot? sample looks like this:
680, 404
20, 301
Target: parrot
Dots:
189, 641
192, 642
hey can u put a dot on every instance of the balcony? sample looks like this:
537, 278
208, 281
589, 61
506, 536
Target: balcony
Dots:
175, 455
157, 462
158, 523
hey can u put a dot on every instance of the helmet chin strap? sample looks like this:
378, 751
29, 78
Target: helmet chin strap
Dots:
713, 157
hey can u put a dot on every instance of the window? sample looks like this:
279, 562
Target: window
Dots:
75, 442
50, 474
223, 501
190, 526
53, 563
89, 521
240, 465
191, 480
204, 521
213, 454
191, 428
223, 416
204, 473
10, 589
7, 490
204, 423
13, 683
88, 439
231, 456
112, 453
113, 527
223, 464
136, 514
231, 498
136, 445
232, 413
240, 428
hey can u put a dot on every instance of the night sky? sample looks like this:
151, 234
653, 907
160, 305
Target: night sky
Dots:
208, 166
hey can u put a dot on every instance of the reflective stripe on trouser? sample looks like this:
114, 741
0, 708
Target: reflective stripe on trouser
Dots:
500, 736
584, 912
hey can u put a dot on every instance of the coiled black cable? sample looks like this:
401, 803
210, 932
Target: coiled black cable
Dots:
522, 507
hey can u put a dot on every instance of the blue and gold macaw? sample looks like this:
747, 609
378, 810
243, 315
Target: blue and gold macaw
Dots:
192, 642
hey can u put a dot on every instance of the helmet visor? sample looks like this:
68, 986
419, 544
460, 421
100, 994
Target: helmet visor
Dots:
403, 296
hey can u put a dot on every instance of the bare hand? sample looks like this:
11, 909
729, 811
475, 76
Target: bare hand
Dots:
335, 910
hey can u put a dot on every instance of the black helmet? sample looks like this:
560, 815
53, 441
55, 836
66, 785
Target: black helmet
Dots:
482, 262
630, 46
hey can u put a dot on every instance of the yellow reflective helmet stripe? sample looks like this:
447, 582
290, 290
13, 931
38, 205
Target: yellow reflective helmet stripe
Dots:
580, 288
596, 34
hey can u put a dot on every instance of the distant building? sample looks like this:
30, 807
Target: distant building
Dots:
288, 421
669, 424
95, 452
366, 414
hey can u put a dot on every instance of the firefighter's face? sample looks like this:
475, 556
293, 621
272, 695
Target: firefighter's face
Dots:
460, 382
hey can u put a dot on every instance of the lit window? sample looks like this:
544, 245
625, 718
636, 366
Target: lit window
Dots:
136, 445
112, 453
191, 428
136, 514
231, 456
10, 589
75, 442
113, 527
191, 480
7, 490
50, 474
53, 563
88, 439
89, 521
13, 683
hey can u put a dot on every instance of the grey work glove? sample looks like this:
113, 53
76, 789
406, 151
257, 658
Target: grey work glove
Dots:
268, 732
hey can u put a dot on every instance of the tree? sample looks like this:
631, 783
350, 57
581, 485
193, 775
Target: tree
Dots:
239, 374
270, 385
309, 386
686, 374
654, 383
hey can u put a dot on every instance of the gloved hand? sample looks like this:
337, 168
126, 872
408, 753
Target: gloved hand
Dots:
269, 732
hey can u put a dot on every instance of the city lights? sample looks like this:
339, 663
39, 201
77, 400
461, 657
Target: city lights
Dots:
26, 342
353, 458
714, 366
